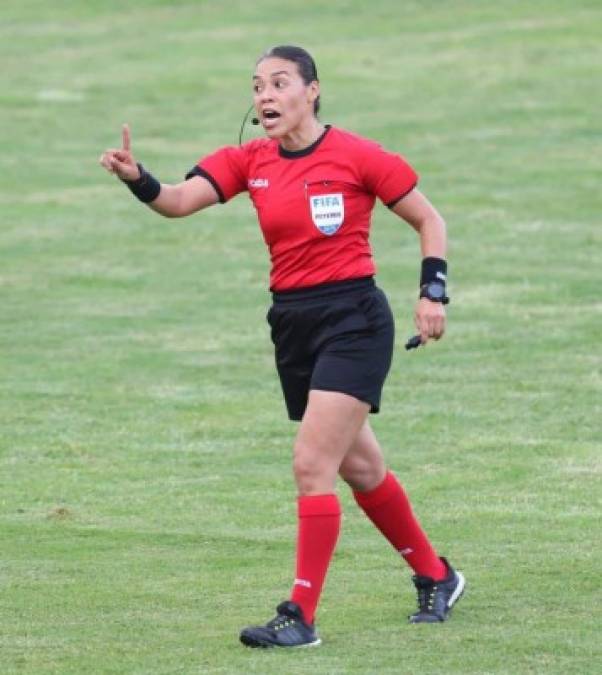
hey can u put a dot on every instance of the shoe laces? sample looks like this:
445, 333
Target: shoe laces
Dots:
281, 621
427, 589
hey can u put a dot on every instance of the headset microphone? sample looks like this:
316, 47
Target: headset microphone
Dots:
254, 121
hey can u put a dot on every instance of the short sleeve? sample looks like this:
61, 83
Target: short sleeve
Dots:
225, 169
386, 174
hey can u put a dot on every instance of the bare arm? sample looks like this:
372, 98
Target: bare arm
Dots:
173, 201
416, 210
176, 201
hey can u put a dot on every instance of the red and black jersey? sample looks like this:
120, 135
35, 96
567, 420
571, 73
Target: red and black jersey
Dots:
314, 205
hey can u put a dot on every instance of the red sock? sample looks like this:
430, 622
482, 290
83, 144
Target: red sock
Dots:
389, 508
317, 534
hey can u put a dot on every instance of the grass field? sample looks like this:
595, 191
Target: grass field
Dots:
146, 506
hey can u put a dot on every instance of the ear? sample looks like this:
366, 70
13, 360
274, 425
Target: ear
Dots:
313, 91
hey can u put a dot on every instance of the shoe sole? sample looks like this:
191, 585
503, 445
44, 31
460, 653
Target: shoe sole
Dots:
254, 644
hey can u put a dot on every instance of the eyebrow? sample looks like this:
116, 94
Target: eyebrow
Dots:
278, 72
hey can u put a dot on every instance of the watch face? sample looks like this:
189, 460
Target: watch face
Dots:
435, 290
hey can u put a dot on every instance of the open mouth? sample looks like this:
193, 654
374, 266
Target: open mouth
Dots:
270, 114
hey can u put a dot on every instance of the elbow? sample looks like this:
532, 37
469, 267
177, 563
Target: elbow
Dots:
431, 223
166, 213
436, 222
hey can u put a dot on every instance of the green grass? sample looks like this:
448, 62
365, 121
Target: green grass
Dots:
146, 505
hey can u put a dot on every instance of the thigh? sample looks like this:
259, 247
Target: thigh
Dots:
329, 426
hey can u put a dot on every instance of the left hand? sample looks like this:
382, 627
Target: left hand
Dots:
430, 319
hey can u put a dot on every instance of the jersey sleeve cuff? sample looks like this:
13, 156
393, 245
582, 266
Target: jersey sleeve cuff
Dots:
199, 171
392, 203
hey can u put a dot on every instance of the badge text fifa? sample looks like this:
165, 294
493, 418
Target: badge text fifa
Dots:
327, 212
326, 200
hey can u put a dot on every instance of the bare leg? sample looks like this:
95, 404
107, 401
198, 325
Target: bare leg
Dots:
363, 467
330, 425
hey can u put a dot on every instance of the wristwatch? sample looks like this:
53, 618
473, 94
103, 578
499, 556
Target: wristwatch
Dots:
435, 292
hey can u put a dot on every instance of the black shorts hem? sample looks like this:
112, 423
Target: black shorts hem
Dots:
374, 407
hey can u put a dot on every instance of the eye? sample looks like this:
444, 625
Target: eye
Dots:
256, 87
280, 84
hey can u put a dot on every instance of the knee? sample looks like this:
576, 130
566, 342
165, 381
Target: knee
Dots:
363, 474
313, 471
306, 466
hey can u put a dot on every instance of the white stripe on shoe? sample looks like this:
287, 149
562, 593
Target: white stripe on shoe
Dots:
315, 643
458, 590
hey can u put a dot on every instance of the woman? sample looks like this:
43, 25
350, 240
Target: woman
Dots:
314, 188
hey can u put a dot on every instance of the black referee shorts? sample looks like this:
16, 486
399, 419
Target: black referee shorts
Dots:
333, 337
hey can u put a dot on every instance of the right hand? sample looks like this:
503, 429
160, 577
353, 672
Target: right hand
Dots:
429, 318
121, 162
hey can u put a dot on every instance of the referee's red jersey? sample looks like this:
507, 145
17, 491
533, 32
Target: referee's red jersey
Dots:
314, 205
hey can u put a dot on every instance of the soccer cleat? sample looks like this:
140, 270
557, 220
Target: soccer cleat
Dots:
436, 598
286, 629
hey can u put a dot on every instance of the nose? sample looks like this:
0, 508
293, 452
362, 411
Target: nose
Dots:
266, 95
265, 99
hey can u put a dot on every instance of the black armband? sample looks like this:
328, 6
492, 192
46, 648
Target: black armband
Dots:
146, 188
433, 269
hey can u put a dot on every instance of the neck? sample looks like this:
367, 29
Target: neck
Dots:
303, 135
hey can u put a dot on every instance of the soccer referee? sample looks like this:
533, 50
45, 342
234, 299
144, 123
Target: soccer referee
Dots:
314, 187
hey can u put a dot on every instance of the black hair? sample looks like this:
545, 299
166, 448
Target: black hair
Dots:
305, 64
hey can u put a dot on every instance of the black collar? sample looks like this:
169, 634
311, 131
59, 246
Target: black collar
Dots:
294, 154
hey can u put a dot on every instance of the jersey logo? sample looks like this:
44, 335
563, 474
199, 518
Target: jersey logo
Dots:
258, 182
327, 212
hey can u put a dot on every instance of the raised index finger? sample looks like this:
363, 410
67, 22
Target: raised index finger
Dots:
125, 132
